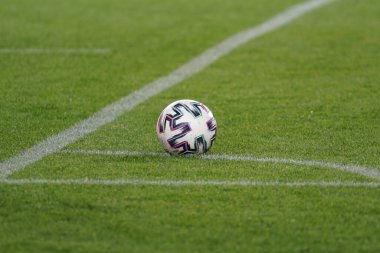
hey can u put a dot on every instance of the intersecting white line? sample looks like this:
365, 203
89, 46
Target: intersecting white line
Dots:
112, 111
87, 181
55, 50
357, 169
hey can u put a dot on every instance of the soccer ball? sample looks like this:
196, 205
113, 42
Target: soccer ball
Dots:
186, 127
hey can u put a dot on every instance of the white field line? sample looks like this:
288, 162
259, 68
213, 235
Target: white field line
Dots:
125, 104
55, 50
87, 181
357, 169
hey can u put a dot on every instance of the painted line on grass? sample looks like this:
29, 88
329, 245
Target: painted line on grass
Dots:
357, 169
125, 104
87, 181
55, 50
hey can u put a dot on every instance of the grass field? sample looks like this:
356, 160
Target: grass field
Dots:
307, 92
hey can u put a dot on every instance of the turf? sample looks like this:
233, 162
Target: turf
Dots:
44, 94
189, 219
307, 91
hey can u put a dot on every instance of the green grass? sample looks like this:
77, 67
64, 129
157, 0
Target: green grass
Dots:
307, 91
189, 219
44, 94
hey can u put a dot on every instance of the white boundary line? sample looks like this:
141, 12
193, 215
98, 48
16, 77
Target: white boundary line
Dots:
125, 104
55, 50
357, 169
187, 183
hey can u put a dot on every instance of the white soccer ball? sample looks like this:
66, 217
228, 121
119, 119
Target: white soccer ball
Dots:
186, 127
